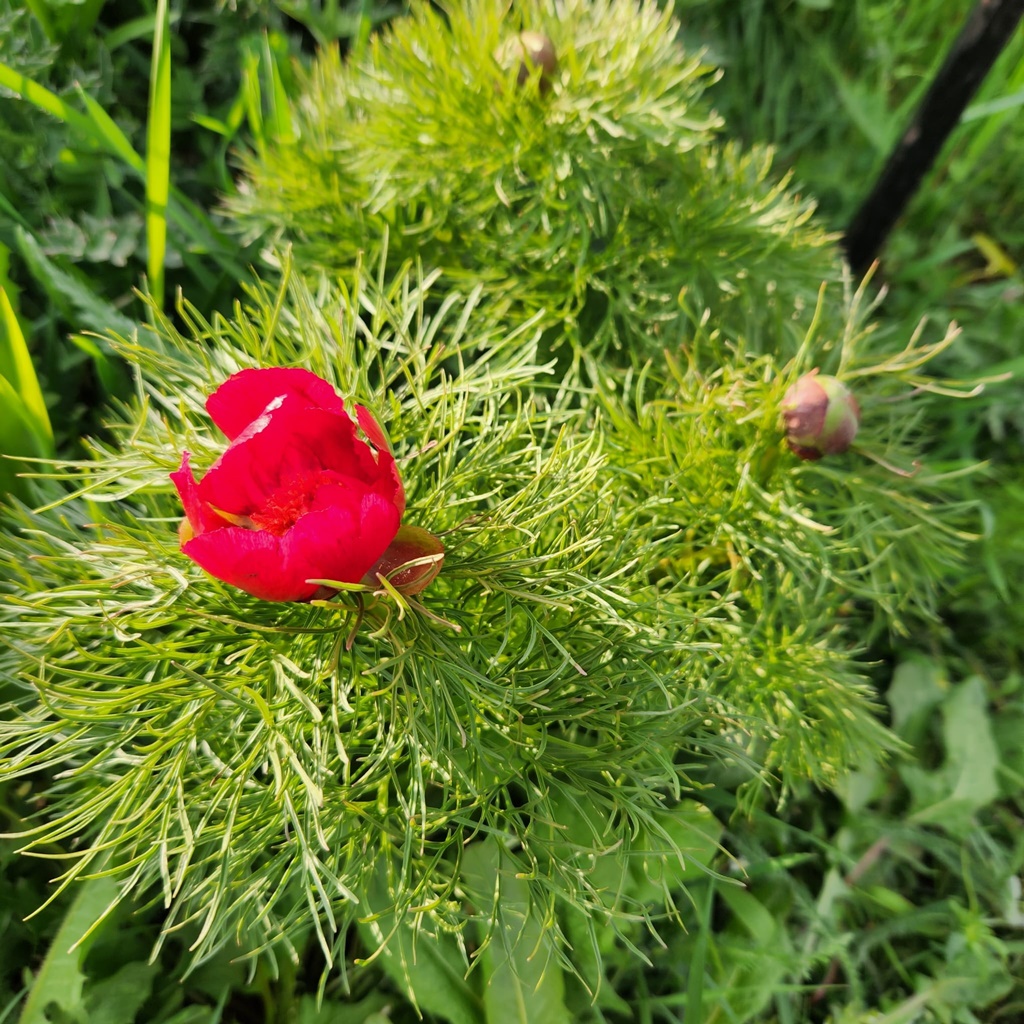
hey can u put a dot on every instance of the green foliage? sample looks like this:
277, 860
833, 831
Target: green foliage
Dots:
537, 792
834, 86
378, 737
584, 656
852, 912
99, 188
596, 202
60, 979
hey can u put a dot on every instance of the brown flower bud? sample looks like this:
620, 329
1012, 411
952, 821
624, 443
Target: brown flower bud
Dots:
531, 50
821, 416
412, 561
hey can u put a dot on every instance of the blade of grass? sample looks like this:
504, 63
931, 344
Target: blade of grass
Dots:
158, 154
254, 98
695, 981
43, 99
110, 136
18, 441
136, 28
42, 15
17, 369
277, 95
365, 26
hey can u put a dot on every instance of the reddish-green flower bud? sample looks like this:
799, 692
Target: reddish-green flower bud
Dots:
821, 416
411, 562
531, 50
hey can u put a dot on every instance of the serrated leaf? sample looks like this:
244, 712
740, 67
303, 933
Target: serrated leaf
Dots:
968, 779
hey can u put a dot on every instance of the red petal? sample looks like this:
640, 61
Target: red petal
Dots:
244, 395
200, 516
252, 560
287, 442
371, 428
341, 542
386, 464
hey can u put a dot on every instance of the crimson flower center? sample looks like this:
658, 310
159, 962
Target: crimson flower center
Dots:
288, 505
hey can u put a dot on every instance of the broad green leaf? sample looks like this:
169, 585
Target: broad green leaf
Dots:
428, 967
749, 911
523, 982
656, 867
60, 979
343, 1013
968, 779
589, 945
117, 999
918, 684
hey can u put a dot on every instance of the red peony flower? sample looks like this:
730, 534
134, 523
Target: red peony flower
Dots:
297, 495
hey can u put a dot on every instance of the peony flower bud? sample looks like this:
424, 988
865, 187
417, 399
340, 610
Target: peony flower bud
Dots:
821, 416
532, 50
411, 544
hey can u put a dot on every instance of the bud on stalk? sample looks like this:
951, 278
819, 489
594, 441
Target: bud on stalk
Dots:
821, 416
532, 50
411, 562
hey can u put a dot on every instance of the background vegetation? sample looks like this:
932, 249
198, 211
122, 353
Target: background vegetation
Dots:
890, 892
